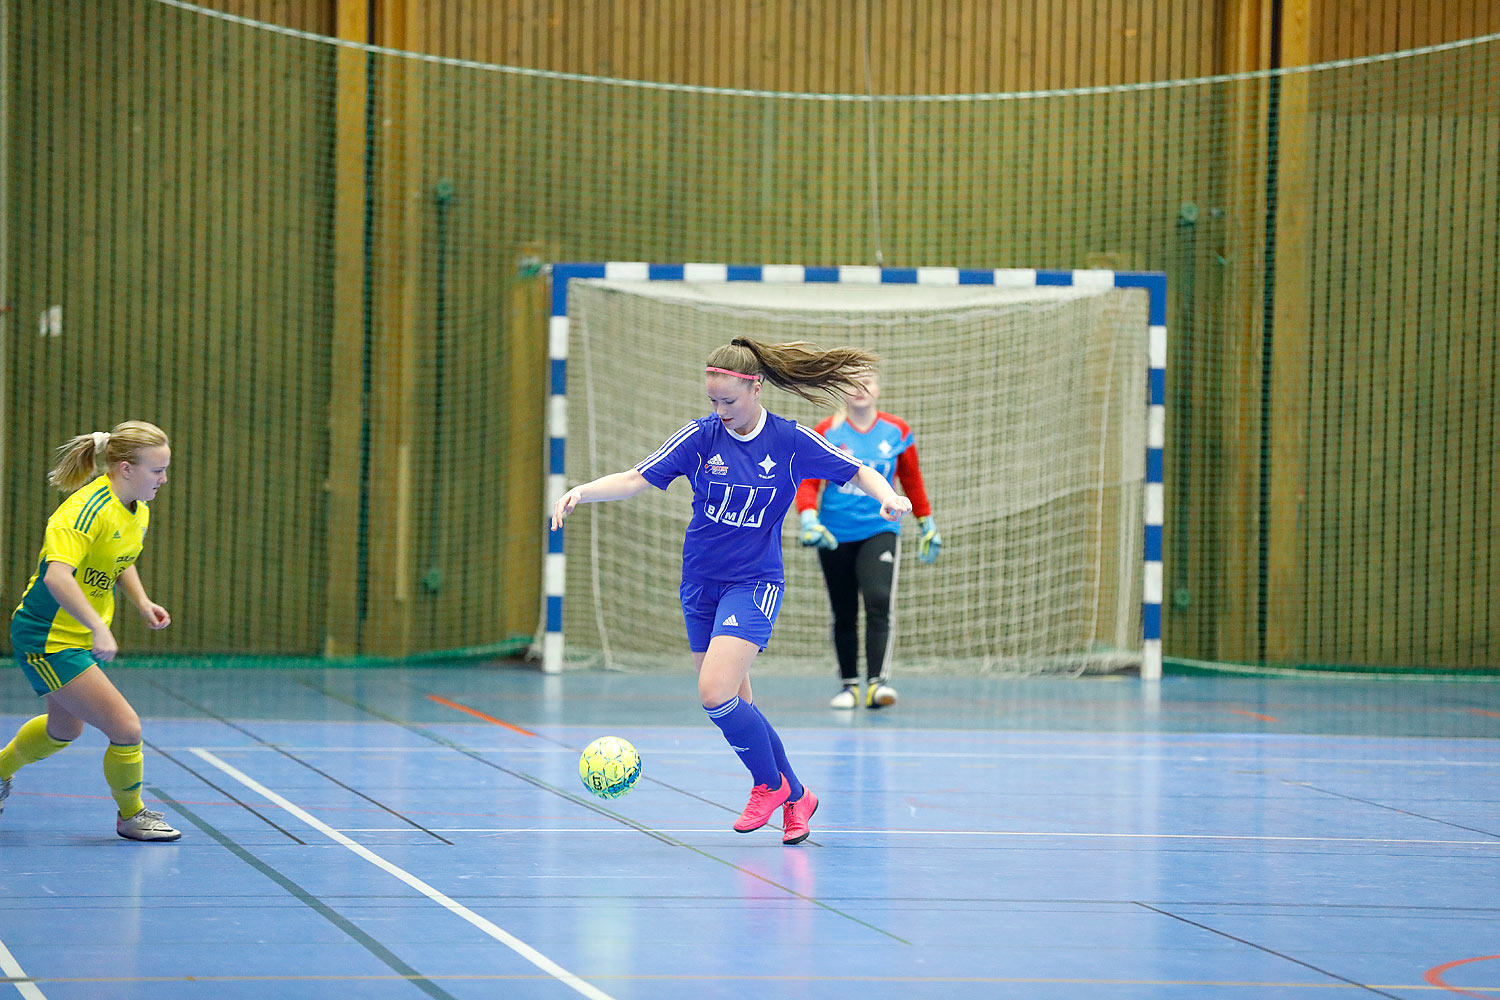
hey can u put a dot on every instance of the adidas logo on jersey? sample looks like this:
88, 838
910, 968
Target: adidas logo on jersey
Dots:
887, 557
717, 465
731, 620
117, 534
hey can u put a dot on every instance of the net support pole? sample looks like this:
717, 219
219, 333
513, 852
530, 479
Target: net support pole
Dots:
553, 572
557, 437
1155, 285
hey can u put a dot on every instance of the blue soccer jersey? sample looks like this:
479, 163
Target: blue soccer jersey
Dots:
742, 488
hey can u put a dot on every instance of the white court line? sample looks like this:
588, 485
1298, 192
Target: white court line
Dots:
1041, 834
718, 751
512, 942
13, 970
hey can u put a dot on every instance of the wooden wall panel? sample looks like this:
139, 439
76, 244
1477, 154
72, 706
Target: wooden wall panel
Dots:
1399, 542
1346, 29
222, 207
316, 16
943, 46
172, 208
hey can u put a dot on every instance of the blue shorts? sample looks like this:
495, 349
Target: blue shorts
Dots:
744, 610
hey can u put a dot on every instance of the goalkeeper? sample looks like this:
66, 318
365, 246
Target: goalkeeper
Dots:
859, 551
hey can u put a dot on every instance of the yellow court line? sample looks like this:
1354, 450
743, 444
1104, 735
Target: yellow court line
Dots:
673, 977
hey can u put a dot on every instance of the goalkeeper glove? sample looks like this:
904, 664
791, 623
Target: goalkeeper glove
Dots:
814, 534
932, 542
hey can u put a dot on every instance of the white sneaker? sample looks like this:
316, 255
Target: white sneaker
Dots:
145, 825
845, 698
4, 792
879, 695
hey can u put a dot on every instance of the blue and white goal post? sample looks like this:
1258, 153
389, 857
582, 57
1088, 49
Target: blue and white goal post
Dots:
1153, 283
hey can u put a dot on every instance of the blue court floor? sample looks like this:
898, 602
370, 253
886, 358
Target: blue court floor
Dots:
393, 833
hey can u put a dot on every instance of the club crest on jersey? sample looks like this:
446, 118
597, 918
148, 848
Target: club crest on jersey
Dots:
768, 463
716, 465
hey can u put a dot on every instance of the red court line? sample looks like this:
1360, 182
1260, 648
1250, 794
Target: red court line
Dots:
1485, 711
1254, 715
1434, 975
480, 715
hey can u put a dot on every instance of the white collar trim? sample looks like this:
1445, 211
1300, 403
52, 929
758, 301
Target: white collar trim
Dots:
751, 436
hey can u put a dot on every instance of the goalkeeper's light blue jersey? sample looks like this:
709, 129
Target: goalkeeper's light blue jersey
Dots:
742, 488
887, 446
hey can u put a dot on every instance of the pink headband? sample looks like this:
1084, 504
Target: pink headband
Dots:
726, 371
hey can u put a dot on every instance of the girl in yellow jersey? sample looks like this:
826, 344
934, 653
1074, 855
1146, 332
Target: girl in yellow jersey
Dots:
60, 632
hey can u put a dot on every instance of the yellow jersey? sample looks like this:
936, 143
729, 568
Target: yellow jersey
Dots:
98, 536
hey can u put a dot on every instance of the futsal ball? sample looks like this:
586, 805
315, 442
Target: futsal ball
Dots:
609, 767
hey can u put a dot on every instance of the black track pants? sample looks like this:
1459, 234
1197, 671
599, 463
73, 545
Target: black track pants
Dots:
865, 569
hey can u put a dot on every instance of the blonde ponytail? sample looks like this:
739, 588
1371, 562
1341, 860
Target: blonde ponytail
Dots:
79, 459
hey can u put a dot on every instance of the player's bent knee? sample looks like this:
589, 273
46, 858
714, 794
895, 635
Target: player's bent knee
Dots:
125, 731
125, 737
65, 730
714, 695
715, 688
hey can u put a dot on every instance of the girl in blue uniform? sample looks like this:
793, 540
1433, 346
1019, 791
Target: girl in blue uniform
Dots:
745, 464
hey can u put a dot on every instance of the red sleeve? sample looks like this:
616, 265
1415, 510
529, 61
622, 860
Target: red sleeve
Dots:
910, 474
808, 492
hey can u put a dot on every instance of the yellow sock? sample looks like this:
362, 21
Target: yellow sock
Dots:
124, 768
31, 744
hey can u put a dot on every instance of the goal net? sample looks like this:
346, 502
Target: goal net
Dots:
1029, 413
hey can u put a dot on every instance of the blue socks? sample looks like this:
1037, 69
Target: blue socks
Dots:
750, 737
780, 753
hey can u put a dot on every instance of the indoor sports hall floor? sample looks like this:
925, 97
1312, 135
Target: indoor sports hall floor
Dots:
397, 833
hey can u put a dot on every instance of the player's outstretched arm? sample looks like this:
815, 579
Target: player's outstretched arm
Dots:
892, 504
615, 486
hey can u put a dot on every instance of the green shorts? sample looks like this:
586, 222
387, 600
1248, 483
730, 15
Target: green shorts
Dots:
49, 671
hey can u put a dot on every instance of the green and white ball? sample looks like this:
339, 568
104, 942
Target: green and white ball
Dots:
609, 767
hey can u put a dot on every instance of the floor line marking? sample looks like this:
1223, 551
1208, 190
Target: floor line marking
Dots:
1254, 715
479, 715
367, 941
222, 720
1123, 757
1394, 809
573, 748
17, 975
1269, 951
961, 833
1434, 975
494, 930
597, 807
752, 978
228, 795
